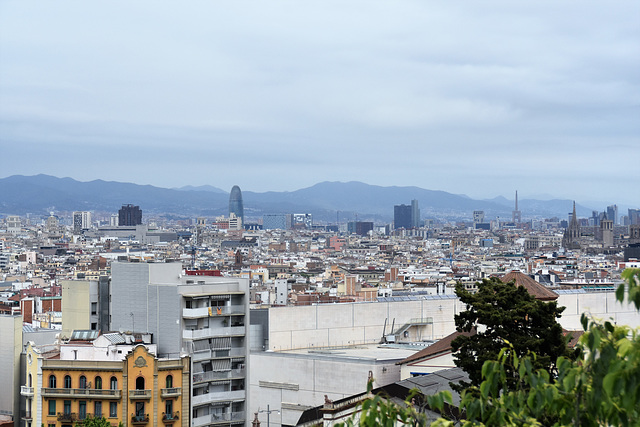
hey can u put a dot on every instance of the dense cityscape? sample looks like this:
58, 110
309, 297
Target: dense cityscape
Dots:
209, 310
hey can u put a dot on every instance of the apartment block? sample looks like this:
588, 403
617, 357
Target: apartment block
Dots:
195, 313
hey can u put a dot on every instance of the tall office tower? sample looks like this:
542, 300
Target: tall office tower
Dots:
402, 216
478, 217
612, 214
81, 221
235, 203
516, 215
415, 214
204, 316
634, 216
129, 215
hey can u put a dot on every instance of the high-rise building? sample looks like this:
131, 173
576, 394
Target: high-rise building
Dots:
129, 215
612, 214
81, 221
235, 203
478, 217
415, 214
361, 228
402, 216
634, 216
193, 312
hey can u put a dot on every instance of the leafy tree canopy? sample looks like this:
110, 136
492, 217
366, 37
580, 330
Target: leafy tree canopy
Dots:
500, 313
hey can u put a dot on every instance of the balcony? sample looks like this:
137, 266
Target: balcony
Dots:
67, 417
170, 417
195, 313
86, 393
213, 332
170, 392
219, 396
26, 391
139, 394
218, 375
218, 418
141, 419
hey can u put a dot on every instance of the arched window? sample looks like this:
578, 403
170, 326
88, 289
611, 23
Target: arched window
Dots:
67, 381
99, 383
140, 383
114, 383
169, 381
83, 382
29, 383
52, 381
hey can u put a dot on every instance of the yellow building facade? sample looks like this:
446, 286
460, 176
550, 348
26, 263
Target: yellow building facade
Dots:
140, 390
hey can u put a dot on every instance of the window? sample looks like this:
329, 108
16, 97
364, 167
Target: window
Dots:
67, 381
169, 381
82, 409
140, 383
67, 406
94, 308
168, 409
52, 381
114, 383
113, 409
94, 326
139, 411
98, 383
52, 425
97, 409
83, 382
52, 407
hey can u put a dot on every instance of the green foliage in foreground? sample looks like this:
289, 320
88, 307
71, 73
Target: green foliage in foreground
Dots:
600, 387
95, 422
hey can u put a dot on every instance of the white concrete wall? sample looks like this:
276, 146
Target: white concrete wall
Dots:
601, 305
314, 377
328, 325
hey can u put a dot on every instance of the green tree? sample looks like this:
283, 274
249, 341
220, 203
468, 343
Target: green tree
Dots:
503, 312
599, 387
94, 422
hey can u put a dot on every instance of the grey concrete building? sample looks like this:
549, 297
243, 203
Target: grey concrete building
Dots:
200, 315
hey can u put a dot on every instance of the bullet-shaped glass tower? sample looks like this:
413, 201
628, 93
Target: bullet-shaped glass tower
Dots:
235, 203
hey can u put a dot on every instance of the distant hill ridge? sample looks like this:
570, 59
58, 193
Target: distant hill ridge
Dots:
327, 201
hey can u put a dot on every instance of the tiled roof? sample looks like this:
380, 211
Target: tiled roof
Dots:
537, 290
441, 346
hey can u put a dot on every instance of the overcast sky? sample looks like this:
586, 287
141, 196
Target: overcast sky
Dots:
477, 98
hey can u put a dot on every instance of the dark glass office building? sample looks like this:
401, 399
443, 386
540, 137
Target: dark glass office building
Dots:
129, 215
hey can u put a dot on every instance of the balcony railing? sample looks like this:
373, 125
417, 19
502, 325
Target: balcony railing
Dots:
170, 392
170, 417
225, 331
67, 417
218, 396
217, 418
139, 419
81, 392
139, 394
26, 391
194, 313
216, 375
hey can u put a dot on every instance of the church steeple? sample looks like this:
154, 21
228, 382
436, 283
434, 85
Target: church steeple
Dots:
571, 238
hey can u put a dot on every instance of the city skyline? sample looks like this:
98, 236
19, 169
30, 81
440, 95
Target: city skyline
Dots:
480, 100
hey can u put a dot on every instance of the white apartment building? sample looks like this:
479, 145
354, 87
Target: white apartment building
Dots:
203, 316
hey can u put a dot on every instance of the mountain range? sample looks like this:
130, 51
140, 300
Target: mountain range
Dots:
327, 201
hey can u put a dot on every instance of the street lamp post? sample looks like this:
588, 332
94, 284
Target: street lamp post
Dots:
268, 412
